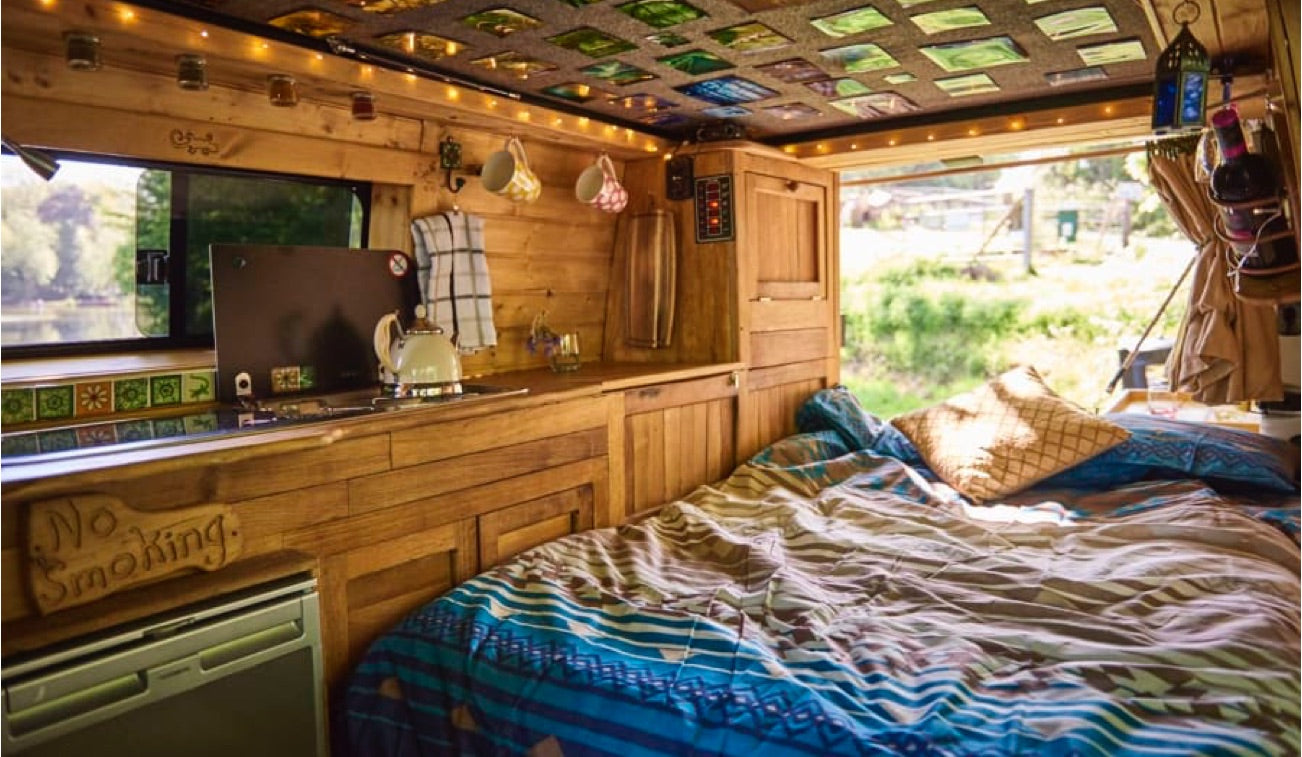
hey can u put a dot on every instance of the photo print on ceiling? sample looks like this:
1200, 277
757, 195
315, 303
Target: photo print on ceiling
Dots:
839, 87
860, 58
938, 22
727, 90
854, 21
500, 22
1081, 22
661, 13
749, 38
312, 22
593, 43
975, 53
793, 71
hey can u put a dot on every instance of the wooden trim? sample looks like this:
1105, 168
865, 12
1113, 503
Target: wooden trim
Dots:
767, 378
778, 347
679, 393
150, 40
428, 443
389, 488
1081, 124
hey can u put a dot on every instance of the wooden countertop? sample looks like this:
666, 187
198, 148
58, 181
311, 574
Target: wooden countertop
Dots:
30, 476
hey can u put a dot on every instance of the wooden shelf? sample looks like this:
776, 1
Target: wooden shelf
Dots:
1228, 416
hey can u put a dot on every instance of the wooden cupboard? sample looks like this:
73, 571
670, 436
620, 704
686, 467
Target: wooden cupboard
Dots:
390, 513
767, 298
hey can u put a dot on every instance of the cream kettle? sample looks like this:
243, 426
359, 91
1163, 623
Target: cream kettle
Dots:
421, 362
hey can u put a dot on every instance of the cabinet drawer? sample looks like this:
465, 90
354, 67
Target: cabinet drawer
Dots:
679, 393
505, 532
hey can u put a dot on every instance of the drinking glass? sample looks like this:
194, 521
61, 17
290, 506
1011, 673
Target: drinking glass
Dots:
1162, 401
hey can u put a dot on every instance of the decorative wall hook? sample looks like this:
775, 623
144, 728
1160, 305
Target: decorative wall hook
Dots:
450, 160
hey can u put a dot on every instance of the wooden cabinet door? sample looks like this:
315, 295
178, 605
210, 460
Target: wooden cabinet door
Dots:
505, 532
676, 437
788, 235
365, 591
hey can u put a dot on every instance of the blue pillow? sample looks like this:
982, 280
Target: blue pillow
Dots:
1165, 448
836, 409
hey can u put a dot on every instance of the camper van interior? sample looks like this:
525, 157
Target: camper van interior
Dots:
415, 377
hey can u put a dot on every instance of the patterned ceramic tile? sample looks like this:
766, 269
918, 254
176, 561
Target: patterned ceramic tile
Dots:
97, 435
134, 431
284, 379
198, 387
94, 398
16, 445
130, 394
165, 390
54, 402
168, 427
200, 422
58, 440
17, 406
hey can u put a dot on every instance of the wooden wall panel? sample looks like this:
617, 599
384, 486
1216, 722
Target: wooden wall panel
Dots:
552, 255
770, 401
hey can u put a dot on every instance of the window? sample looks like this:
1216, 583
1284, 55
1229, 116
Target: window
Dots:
1057, 259
111, 256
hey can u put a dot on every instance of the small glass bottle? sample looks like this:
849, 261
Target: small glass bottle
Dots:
1242, 177
82, 51
282, 90
191, 72
363, 107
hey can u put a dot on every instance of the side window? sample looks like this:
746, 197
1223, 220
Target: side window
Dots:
110, 257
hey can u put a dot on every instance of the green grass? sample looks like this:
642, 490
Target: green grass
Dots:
919, 329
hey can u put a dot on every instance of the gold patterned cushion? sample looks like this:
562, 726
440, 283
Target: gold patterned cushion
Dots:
1006, 435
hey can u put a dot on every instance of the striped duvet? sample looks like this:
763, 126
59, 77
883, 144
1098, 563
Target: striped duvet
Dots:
825, 604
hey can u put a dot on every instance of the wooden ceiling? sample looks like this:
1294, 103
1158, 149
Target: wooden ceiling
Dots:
1039, 70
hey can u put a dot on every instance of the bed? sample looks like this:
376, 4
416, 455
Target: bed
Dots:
835, 595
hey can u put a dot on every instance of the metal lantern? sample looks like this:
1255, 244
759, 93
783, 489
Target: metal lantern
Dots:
1180, 84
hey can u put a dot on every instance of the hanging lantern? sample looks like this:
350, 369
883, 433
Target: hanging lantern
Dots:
1180, 83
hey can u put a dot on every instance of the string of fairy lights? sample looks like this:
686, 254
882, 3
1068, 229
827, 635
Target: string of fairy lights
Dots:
284, 89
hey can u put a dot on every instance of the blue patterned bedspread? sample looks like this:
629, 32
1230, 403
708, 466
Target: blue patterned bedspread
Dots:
823, 602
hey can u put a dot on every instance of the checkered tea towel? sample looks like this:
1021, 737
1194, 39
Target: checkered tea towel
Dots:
453, 274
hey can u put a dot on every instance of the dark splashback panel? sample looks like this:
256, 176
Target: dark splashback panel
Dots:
314, 309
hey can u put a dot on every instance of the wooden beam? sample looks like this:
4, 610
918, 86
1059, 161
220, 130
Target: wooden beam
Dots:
147, 41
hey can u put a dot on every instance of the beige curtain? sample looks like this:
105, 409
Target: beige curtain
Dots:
1226, 350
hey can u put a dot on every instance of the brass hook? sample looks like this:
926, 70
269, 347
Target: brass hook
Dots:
449, 161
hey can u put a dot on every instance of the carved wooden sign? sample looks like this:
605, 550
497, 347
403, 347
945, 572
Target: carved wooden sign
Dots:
87, 546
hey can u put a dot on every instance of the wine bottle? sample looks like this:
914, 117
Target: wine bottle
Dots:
1241, 177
